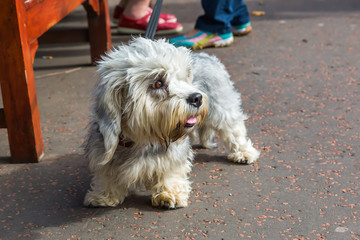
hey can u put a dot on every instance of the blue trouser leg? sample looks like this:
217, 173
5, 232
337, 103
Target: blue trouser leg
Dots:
220, 14
242, 15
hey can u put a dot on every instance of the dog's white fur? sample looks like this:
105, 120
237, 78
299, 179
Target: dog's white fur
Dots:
139, 130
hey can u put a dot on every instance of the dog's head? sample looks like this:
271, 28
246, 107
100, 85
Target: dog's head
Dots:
145, 95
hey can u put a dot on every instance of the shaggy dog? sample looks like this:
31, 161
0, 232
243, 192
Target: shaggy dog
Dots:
149, 100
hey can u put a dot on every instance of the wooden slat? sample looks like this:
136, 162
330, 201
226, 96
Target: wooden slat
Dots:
42, 16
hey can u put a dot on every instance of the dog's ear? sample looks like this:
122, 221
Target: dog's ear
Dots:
107, 111
109, 98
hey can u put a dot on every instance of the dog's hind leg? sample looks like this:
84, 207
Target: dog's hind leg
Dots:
207, 135
240, 148
192, 136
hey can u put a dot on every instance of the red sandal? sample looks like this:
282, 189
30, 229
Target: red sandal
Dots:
127, 25
119, 10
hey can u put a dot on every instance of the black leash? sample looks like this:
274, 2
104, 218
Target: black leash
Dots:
154, 20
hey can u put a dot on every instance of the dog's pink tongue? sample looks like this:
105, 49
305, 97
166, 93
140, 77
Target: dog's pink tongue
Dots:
191, 121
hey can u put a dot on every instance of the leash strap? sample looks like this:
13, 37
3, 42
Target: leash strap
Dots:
154, 20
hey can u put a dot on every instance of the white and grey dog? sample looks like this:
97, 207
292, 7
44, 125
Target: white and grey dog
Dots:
150, 98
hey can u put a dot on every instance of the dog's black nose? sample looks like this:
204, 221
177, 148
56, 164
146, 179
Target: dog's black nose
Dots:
195, 99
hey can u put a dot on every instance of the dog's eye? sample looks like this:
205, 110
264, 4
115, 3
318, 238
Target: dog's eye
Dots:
158, 84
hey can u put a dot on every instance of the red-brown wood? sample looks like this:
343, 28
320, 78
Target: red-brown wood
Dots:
100, 36
33, 48
2, 118
18, 85
45, 14
21, 24
95, 4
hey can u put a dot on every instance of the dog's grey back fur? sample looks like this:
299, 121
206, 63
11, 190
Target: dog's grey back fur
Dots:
211, 77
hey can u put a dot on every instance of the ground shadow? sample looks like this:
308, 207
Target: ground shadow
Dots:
50, 194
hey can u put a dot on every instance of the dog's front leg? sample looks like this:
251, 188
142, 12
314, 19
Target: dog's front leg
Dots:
105, 192
172, 189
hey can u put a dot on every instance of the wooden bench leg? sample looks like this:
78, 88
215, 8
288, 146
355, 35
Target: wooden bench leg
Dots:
99, 29
18, 86
33, 48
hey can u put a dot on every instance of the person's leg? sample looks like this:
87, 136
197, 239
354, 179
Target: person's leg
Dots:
217, 17
241, 14
241, 21
213, 29
119, 9
137, 8
135, 17
123, 3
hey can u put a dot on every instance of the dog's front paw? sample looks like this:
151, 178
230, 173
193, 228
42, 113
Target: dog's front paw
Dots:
168, 200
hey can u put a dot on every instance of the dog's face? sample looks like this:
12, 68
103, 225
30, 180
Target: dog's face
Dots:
145, 94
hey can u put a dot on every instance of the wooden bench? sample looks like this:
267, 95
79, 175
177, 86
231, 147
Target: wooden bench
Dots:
21, 24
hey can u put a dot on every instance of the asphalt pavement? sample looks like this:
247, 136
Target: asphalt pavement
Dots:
299, 76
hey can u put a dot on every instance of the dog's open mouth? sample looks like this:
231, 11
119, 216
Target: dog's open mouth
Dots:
190, 122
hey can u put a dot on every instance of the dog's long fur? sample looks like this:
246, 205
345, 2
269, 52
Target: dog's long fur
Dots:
139, 132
